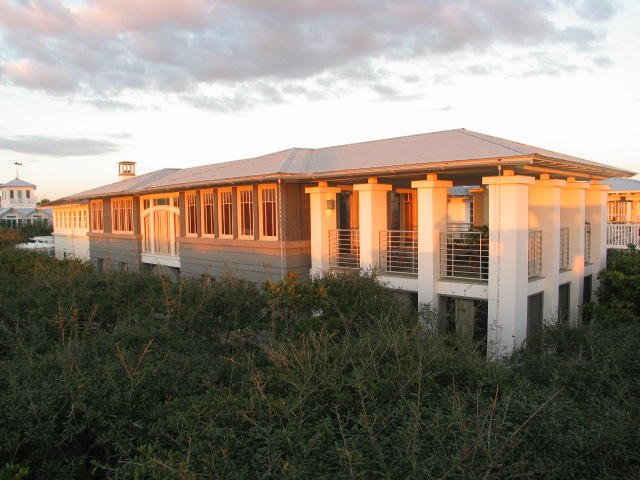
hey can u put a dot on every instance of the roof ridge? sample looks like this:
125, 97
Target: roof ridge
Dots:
483, 136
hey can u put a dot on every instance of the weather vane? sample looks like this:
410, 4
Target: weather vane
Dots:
17, 164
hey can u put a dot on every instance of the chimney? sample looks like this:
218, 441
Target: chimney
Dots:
126, 170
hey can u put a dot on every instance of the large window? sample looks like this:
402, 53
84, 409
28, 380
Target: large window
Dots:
226, 212
192, 213
208, 213
268, 211
96, 216
160, 225
245, 207
121, 215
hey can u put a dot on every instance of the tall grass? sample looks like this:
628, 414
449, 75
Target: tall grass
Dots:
132, 376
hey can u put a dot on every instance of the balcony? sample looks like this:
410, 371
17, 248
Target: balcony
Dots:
464, 255
620, 235
399, 251
344, 248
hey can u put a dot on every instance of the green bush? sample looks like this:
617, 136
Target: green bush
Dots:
619, 290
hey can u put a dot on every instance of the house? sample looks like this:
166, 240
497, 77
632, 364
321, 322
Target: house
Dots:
624, 212
529, 251
18, 204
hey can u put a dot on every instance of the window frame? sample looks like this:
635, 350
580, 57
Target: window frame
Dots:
214, 204
191, 223
261, 220
114, 219
99, 215
221, 192
240, 191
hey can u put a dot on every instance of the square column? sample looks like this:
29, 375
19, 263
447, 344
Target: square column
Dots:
372, 211
572, 216
322, 211
508, 262
432, 221
544, 215
597, 215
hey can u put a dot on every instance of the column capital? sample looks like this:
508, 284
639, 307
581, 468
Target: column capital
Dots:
508, 180
549, 182
431, 184
576, 185
372, 187
322, 189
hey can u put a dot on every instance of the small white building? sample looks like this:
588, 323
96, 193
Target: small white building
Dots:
70, 230
18, 204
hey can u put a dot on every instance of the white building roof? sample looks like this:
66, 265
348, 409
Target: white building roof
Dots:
622, 184
16, 182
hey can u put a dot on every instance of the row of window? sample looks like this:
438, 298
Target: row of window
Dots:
266, 220
16, 194
71, 219
201, 216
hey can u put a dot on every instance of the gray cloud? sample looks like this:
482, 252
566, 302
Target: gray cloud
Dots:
57, 147
181, 46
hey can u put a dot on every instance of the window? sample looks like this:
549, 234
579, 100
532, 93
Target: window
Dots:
96, 216
28, 193
10, 193
409, 221
226, 213
84, 219
207, 214
268, 212
246, 212
192, 213
122, 214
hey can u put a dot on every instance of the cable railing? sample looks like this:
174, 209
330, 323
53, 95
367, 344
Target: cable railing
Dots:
620, 235
464, 255
535, 253
399, 251
565, 261
587, 243
344, 248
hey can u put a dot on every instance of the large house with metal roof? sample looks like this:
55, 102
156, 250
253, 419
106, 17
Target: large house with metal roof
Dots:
18, 204
527, 246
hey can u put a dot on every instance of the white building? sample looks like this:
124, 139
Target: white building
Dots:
18, 204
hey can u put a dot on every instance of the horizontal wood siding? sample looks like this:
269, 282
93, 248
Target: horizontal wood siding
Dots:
115, 250
256, 261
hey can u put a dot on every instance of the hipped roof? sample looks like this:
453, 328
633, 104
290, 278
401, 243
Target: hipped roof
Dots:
392, 154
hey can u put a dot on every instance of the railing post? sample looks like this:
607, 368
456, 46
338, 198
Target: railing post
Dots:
322, 200
432, 220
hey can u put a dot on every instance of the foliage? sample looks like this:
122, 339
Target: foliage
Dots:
619, 289
133, 376
10, 235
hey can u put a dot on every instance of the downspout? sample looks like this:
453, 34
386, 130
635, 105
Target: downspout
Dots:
281, 232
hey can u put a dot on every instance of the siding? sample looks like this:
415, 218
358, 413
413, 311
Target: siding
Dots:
115, 250
68, 246
254, 260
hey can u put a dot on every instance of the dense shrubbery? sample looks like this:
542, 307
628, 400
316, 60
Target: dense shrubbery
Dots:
132, 376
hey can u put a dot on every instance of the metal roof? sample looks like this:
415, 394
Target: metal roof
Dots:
16, 182
622, 184
410, 153
461, 191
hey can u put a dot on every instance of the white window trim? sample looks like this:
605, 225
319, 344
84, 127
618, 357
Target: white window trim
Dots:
113, 222
151, 256
220, 219
248, 188
91, 203
261, 187
187, 220
214, 197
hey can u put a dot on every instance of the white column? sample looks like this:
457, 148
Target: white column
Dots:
372, 219
323, 219
572, 216
596, 214
432, 220
544, 198
508, 261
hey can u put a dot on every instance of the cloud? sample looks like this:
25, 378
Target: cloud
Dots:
102, 47
57, 147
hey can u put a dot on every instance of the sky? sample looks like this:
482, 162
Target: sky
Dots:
85, 84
